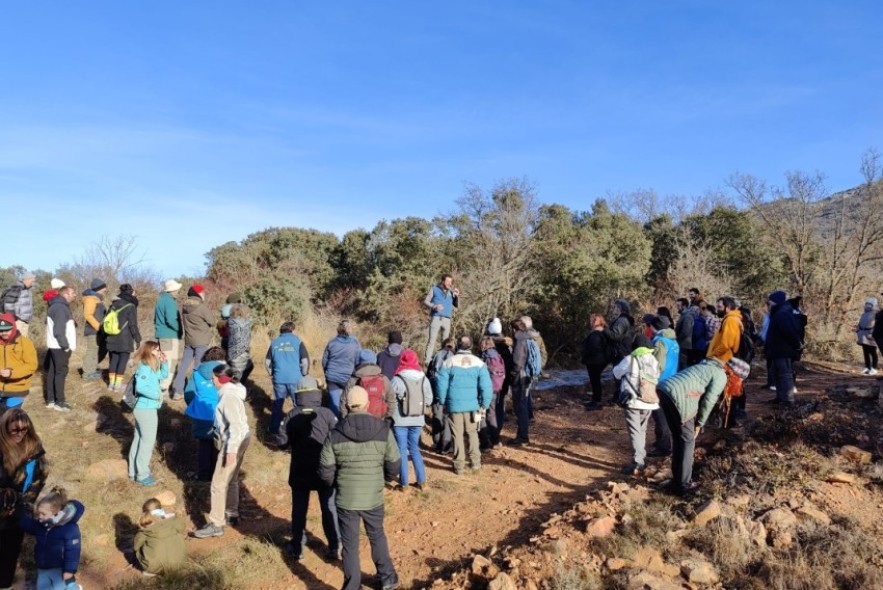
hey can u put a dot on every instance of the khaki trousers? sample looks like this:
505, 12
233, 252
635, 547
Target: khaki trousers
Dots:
465, 434
225, 487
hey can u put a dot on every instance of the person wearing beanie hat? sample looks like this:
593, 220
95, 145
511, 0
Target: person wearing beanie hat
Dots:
94, 339
368, 376
782, 345
288, 363
56, 283
389, 357
18, 300
358, 457
413, 395
303, 432
638, 374
198, 325
864, 332
339, 361
18, 363
167, 328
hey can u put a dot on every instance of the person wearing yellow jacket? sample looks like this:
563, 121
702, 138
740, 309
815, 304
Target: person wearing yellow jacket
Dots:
18, 361
725, 343
93, 337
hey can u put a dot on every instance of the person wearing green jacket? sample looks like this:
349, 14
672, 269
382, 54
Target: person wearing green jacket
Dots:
167, 327
687, 399
159, 543
358, 456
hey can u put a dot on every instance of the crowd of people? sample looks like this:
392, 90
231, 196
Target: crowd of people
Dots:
360, 433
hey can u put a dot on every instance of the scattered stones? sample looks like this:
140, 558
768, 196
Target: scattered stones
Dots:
647, 581
707, 512
601, 527
108, 469
699, 571
810, 512
649, 559
502, 581
842, 477
855, 454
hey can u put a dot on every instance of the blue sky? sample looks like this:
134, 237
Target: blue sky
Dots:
190, 124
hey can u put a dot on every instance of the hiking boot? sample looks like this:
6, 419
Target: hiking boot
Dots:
633, 469
209, 530
335, 554
296, 554
656, 452
420, 486
517, 442
233, 520
593, 406
391, 585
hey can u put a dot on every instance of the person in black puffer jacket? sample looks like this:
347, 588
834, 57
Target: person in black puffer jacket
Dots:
595, 353
120, 346
621, 334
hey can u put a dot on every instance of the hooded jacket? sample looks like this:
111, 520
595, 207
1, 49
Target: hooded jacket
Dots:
695, 390
358, 456
148, 391
464, 384
238, 337
160, 546
201, 396
230, 416
61, 333
366, 370
866, 325
725, 343
198, 322
26, 482
621, 331
340, 359
129, 337
93, 312
58, 544
783, 335
19, 356
167, 318
22, 307
400, 388
304, 430
389, 358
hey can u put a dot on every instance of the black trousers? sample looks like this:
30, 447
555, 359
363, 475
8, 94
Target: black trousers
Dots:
349, 536
59, 364
118, 362
595, 371
870, 353
10, 547
300, 504
683, 438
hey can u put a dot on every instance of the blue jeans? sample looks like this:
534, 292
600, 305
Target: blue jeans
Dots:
408, 438
521, 401
281, 391
784, 376
334, 392
300, 503
191, 354
50, 579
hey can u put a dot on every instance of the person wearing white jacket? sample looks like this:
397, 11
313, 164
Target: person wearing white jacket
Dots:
61, 340
232, 437
637, 400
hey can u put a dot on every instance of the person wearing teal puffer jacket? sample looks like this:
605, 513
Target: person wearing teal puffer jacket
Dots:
463, 387
201, 397
152, 369
687, 399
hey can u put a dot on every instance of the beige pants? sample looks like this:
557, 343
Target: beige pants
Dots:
172, 348
225, 487
22, 327
465, 434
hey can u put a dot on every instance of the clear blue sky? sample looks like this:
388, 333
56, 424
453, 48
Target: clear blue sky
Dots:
190, 124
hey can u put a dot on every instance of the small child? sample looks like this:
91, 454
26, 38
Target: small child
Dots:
57, 550
159, 543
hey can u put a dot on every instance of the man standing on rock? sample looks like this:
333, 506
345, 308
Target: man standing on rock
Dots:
93, 337
167, 327
441, 301
464, 389
359, 455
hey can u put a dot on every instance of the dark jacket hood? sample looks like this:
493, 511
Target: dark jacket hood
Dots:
309, 399
72, 512
366, 369
361, 427
394, 349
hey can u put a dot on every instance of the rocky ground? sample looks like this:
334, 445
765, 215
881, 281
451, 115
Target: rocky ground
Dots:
792, 500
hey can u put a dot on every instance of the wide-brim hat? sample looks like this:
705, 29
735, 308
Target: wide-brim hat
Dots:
171, 285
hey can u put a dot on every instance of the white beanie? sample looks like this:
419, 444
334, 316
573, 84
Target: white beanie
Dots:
495, 327
56, 283
872, 301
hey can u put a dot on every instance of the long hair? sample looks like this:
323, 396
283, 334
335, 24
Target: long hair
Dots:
145, 355
596, 320
14, 454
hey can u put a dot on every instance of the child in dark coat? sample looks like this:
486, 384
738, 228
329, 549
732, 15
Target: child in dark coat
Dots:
57, 550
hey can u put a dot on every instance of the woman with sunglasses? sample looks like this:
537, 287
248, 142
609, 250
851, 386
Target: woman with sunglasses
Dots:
22, 475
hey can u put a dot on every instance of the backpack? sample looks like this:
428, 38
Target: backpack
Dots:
648, 377
412, 403
10, 297
375, 386
111, 323
130, 396
534, 365
746, 348
497, 368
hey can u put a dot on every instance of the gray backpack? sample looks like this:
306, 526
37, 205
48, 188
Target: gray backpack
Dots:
412, 404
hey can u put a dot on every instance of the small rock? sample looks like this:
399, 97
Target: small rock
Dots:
757, 533
815, 417
740, 501
855, 454
648, 558
699, 572
502, 581
108, 469
166, 498
601, 527
707, 512
779, 519
615, 564
810, 512
842, 477
557, 547
782, 539
479, 563
647, 581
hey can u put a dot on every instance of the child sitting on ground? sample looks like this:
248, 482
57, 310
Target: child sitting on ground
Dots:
57, 550
159, 543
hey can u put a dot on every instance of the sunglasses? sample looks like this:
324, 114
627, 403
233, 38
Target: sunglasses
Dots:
20, 430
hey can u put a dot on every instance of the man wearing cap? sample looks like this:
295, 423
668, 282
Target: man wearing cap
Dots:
287, 362
303, 431
782, 345
93, 337
19, 301
167, 327
199, 325
441, 301
359, 455
18, 361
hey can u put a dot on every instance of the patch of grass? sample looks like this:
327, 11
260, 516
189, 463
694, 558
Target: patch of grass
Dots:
569, 578
191, 576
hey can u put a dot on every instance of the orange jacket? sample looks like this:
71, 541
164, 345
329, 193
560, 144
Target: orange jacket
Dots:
725, 343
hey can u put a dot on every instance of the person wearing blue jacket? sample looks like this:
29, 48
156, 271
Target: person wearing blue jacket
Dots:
152, 369
287, 362
201, 397
339, 362
441, 301
57, 535
464, 388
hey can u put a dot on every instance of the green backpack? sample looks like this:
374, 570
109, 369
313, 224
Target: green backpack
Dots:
111, 323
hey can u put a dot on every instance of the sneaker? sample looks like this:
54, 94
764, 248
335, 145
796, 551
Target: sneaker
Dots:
517, 442
147, 481
420, 486
61, 407
209, 530
865, 371
872, 372
772, 387
50, 405
296, 554
391, 585
633, 469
